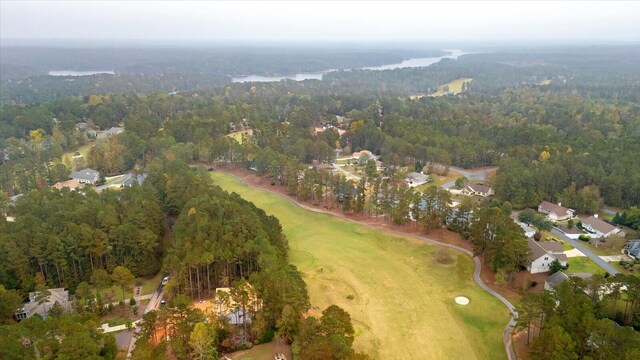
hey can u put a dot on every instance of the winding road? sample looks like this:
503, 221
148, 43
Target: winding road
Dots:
476, 273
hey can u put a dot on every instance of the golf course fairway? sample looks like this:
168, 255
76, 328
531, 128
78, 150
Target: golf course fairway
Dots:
399, 291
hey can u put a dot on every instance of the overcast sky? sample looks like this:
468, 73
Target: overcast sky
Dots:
265, 20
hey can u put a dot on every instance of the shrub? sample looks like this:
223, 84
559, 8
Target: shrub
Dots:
110, 307
350, 297
132, 301
267, 336
584, 237
135, 311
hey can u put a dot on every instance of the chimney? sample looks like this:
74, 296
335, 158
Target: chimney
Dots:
595, 216
559, 204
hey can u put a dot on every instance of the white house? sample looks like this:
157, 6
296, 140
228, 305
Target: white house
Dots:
543, 254
555, 212
599, 228
477, 189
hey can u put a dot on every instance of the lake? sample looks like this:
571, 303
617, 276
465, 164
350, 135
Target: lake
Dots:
79, 73
417, 62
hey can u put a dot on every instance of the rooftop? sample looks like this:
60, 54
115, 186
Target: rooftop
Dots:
555, 208
479, 188
599, 225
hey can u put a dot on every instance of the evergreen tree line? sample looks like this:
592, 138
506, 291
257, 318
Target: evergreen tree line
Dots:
576, 319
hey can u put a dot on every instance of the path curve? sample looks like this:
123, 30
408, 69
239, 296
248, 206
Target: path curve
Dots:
508, 330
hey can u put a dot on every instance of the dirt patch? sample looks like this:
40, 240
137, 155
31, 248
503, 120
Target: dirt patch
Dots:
443, 257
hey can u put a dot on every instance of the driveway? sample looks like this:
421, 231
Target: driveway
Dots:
347, 174
576, 243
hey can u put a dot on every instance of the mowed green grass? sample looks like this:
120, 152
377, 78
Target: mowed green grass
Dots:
402, 289
583, 264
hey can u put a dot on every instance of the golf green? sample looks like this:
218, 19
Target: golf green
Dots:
399, 291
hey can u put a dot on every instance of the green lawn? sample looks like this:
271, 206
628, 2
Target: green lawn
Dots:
149, 285
83, 150
399, 291
582, 264
263, 351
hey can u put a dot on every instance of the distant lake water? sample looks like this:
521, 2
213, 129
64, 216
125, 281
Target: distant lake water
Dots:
417, 62
80, 73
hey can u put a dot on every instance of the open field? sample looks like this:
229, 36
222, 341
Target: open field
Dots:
237, 136
83, 150
454, 86
399, 291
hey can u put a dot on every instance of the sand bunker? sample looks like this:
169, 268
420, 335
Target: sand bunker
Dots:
461, 300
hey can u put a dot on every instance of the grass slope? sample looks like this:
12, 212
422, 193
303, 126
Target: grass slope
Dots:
455, 86
402, 289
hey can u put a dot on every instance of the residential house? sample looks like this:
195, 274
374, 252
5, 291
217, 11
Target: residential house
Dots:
558, 278
130, 179
58, 295
416, 179
599, 228
555, 212
543, 254
111, 132
233, 311
633, 248
69, 184
477, 189
85, 176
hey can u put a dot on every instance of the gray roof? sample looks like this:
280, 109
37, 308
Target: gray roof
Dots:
85, 174
556, 279
58, 295
115, 131
131, 179
417, 177
633, 247
541, 248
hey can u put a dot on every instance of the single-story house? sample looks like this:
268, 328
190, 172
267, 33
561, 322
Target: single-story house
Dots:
58, 295
558, 278
131, 179
416, 179
85, 176
543, 254
111, 132
633, 248
555, 212
69, 184
598, 227
528, 230
477, 189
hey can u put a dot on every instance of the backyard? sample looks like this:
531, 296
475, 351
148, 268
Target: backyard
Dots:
399, 291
